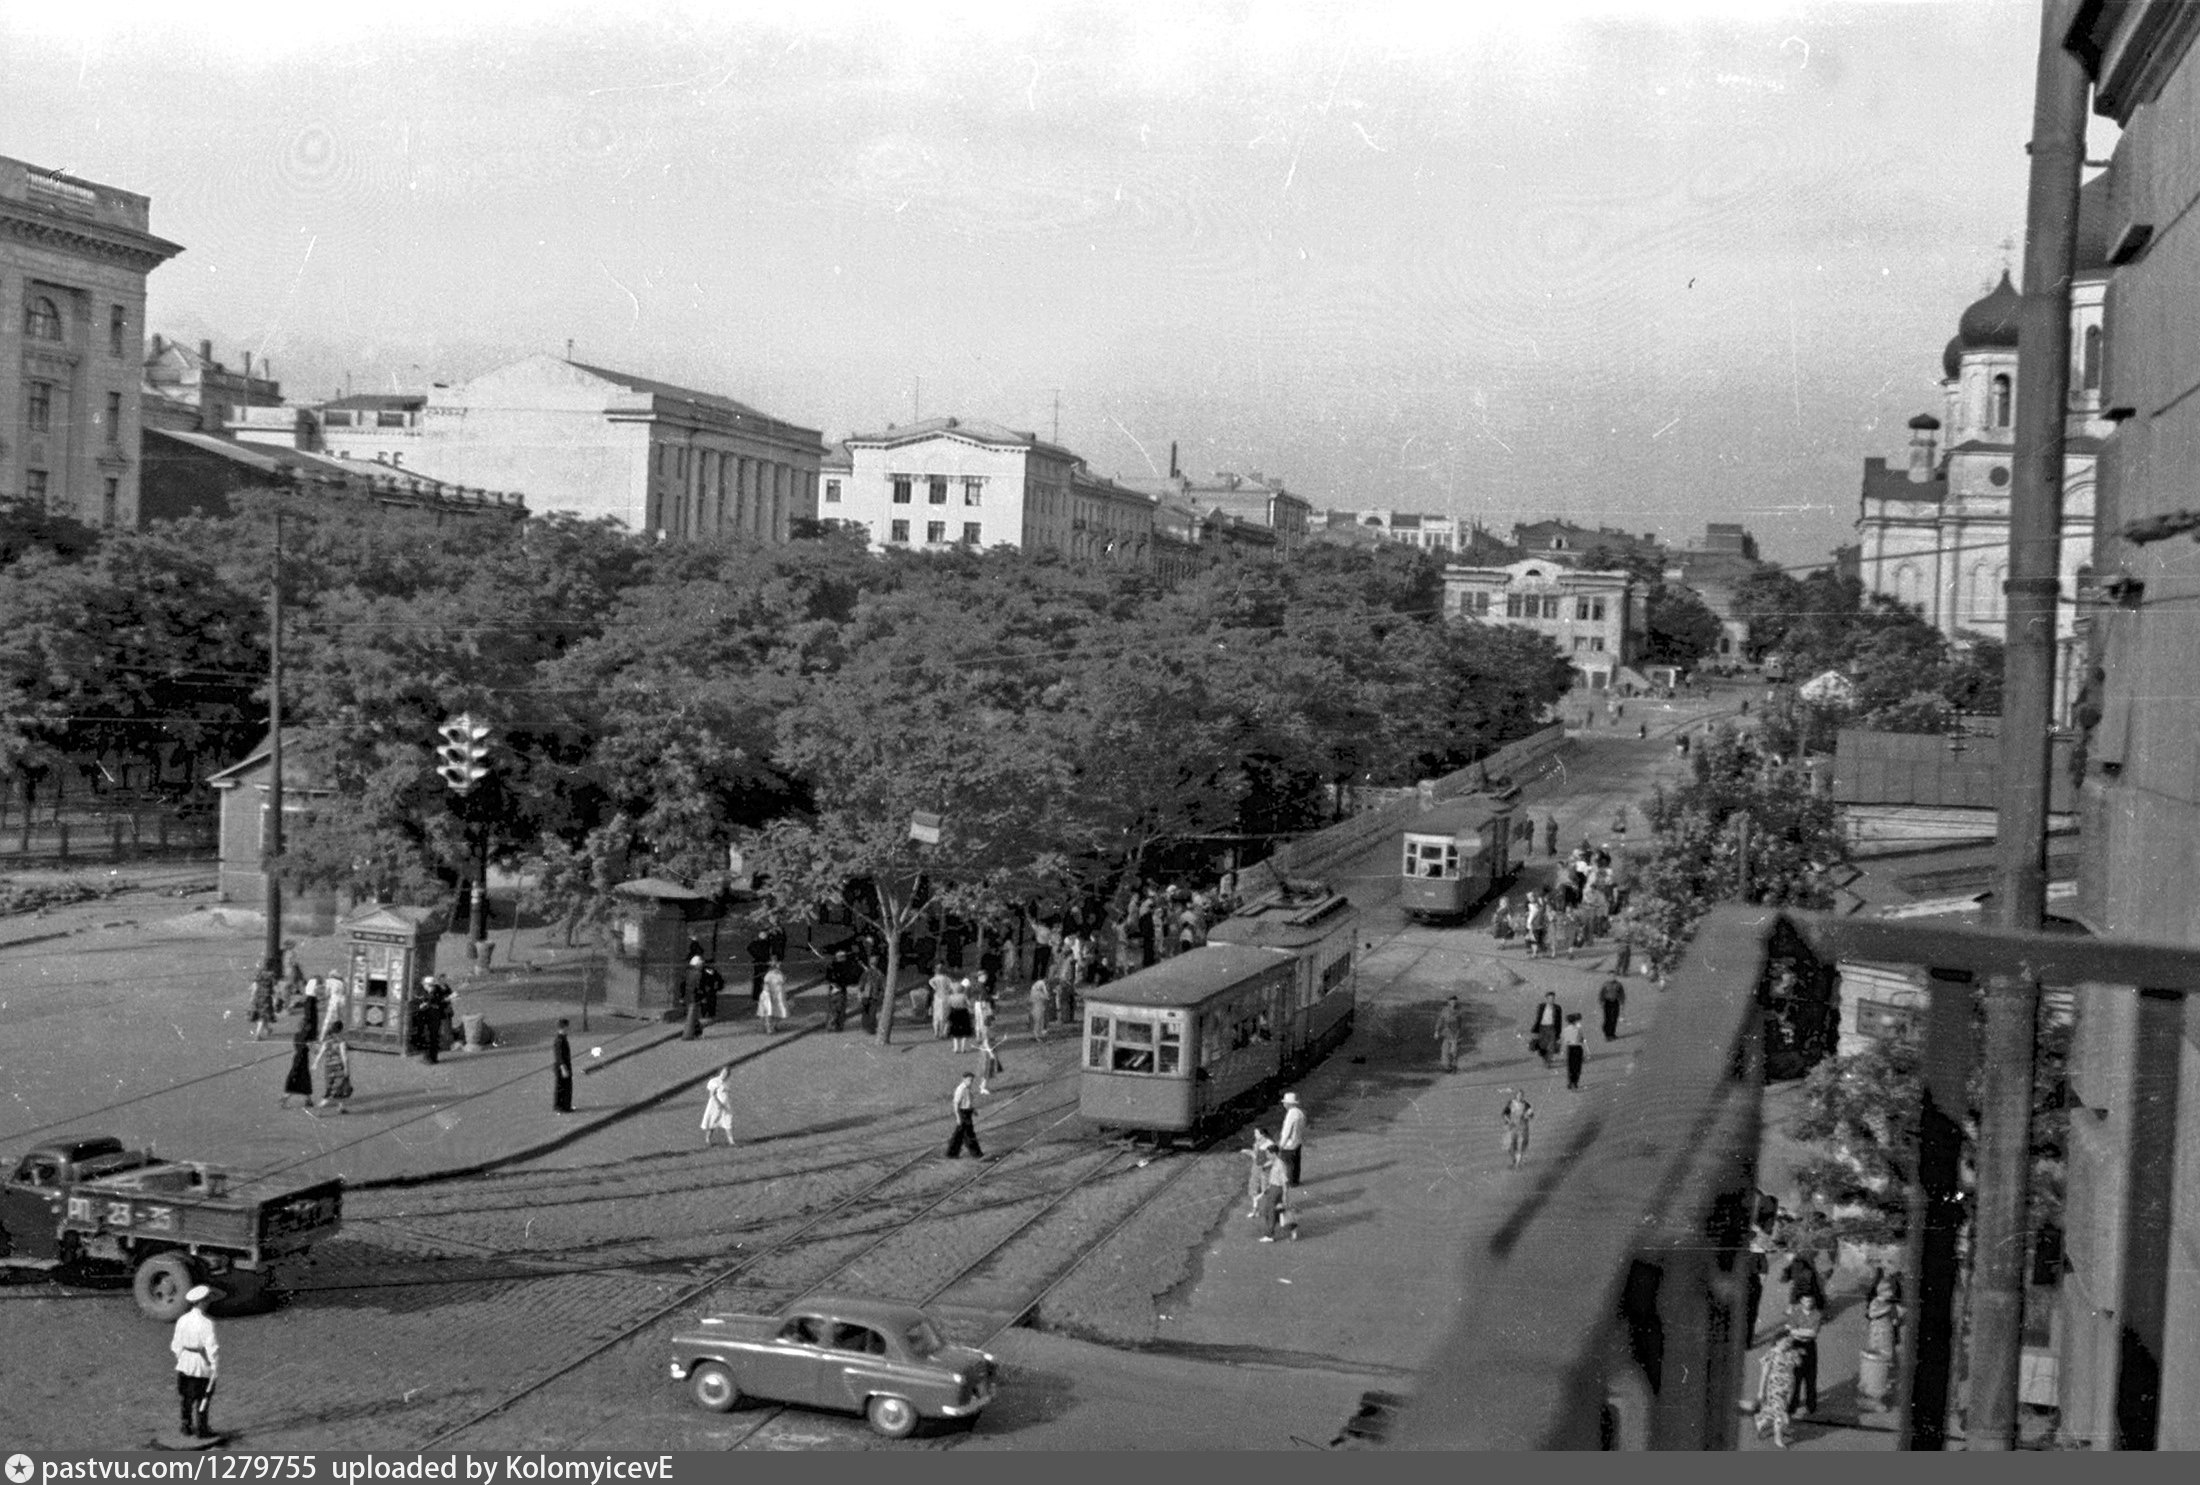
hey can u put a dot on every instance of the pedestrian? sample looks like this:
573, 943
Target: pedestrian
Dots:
1515, 1116
959, 1026
1882, 1335
298, 1082
708, 985
718, 1105
937, 989
1291, 1139
691, 991
428, 1021
1042, 1002
309, 1008
1539, 925
1642, 731
1256, 1179
561, 1071
1803, 1320
263, 1004
1275, 1193
1565, 926
990, 1065
1625, 963
1576, 1053
771, 1006
198, 1361
966, 1117
1548, 1021
1447, 1034
1065, 1003
1611, 995
1776, 1389
871, 992
840, 977
759, 950
1550, 835
335, 1068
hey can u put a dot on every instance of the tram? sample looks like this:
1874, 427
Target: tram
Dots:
1175, 1047
1455, 855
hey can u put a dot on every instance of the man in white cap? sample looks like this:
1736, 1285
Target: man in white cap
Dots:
1292, 1139
198, 1355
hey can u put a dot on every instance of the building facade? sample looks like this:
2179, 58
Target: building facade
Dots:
1714, 567
1560, 541
1934, 534
73, 262
1253, 499
1595, 617
188, 389
2130, 1316
947, 483
590, 442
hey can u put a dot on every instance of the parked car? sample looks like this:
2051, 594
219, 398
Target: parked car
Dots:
888, 1362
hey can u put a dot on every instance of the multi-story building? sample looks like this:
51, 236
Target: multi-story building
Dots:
1423, 529
956, 482
1714, 567
2129, 1322
1556, 540
1935, 533
1596, 617
1251, 498
73, 261
186, 389
585, 441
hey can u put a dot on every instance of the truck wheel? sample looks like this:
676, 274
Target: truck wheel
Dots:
713, 1388
162, 1282
892, 1416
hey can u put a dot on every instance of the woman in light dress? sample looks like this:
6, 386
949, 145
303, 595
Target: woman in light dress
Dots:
718, 1105
335, 1061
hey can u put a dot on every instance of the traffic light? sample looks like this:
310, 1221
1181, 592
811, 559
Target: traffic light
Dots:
465, 745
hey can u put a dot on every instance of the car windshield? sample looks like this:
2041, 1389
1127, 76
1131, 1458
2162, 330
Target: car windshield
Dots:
923, 1339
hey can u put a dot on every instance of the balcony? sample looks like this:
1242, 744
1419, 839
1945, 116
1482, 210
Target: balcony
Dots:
1636, 1338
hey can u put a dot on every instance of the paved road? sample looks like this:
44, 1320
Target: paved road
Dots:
438, 1299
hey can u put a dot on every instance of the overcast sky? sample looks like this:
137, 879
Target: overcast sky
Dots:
1641, 265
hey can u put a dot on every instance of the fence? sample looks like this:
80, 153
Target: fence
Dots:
83, 837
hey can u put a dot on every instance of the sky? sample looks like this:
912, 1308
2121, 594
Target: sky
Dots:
1638, 265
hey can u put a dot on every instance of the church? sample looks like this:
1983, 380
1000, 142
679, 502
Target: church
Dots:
1935, 534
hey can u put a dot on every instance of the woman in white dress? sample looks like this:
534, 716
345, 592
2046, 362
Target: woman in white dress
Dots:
718, 1105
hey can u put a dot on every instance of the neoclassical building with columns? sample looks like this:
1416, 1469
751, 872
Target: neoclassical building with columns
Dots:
1934, 533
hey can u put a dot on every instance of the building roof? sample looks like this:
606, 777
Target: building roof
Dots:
380, 401
1919, 769
1882, 483
970, 430
1189, 979
671, 393
367, 475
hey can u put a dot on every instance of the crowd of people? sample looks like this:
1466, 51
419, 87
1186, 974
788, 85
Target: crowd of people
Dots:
319, 1073
1573, 914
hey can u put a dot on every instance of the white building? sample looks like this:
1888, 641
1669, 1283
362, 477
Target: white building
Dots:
956, 482
1595, 617
585, 441
1935, 534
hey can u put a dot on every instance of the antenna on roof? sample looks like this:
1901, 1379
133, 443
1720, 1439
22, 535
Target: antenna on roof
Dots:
568, 347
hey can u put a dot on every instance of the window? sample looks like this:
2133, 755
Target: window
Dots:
2092, 359
1581, 643
1513, 603
970, 533
1550, 607
832, 492
1596, 610
1581, 610
114, 417
110, 501
34, 485
1596, 643
935, 532
901, 489
118, 321
336, 419
1125, 1044
1481, 603
41, 321
38, 407
2001, 401
973, 492
937, 493
901, 532
1426, 857
397, 420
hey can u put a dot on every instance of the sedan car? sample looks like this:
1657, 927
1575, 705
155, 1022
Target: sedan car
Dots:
886, 1361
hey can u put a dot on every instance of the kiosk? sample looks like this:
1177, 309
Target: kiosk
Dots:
651, 927
388, 950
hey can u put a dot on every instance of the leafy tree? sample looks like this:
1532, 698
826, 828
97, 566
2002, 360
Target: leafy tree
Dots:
1770, 602
1678, 627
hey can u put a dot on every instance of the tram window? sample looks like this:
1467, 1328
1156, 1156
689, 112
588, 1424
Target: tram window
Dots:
1171, 1049
1134, 1059
1096, 1050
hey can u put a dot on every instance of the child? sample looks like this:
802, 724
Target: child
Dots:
1257, 1177
989, 1061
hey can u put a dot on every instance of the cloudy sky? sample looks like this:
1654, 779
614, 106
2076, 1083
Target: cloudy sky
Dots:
1646, 265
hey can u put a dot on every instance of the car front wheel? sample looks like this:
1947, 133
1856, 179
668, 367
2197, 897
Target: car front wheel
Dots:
892, 1416
713, 1388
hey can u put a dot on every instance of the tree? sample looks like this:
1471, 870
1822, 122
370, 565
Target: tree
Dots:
1678, 628
1770, 602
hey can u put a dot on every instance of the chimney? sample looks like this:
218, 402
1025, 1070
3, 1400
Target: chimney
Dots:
1924, 447
206, 352
1172, 459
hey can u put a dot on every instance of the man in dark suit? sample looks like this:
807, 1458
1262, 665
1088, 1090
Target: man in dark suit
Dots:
561, 1072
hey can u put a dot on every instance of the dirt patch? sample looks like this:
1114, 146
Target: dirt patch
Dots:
1144, 1270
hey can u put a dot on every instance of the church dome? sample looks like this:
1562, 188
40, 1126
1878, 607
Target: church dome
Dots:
1925, 421
1992, 322
1951, 358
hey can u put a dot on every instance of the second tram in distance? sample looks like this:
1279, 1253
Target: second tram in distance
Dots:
1455, 855
1207, 1033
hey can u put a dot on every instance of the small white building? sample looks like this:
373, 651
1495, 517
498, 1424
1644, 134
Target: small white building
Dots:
1596, 617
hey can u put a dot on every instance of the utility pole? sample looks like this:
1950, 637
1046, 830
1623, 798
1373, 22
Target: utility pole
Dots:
2001, 1250
272, 843
1741, 850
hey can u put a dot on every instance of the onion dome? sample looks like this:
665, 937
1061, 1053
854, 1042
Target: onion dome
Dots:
1992, 322
1951, 358
1925, 421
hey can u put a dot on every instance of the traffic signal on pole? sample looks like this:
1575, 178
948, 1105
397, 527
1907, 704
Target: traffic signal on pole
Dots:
465, 745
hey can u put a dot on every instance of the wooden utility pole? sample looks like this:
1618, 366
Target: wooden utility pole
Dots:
271, 844
2002, 1248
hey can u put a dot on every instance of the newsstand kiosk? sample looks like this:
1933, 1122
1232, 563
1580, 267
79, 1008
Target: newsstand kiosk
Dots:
652, 925
388, 951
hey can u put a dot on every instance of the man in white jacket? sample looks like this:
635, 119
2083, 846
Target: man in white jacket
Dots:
198, 1355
